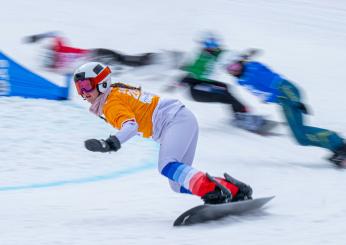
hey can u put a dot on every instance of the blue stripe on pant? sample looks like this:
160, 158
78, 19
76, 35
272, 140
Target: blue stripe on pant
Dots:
289, 99
173, 170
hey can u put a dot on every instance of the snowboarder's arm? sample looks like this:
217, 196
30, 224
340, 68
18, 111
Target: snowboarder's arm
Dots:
38, 37
127, 131
108, 145
113, 143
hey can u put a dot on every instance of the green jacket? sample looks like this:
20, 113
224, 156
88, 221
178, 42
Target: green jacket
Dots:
203, 65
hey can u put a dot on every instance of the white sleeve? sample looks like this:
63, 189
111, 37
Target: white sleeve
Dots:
127, 131
218, 71
227, 57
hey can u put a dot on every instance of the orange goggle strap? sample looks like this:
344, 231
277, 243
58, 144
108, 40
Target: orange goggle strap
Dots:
103, 74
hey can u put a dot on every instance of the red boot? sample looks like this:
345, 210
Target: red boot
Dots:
226, 190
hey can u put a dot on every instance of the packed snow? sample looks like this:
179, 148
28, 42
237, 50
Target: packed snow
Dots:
53, 191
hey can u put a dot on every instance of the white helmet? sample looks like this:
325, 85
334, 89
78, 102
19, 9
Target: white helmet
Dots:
96, 73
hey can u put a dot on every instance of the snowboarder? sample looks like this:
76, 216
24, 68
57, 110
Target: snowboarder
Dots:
204, 88
62, 58
167, 121
273, 88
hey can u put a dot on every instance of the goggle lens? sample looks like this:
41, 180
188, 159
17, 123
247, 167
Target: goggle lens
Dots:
85, 86
236, 67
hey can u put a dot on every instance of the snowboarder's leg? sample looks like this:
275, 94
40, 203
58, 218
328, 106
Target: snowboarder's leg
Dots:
106, 56
174, 148
305, 135
212, 190
138, 60
176, 156
213, 91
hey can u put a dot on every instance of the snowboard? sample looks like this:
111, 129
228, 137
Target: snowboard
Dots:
267, 129
338, 161
208, 212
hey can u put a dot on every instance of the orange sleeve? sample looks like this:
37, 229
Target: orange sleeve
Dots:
117, 113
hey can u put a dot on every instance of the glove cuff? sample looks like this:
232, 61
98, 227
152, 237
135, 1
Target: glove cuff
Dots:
113, 143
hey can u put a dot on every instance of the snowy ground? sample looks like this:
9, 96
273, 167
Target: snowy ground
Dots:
52, 191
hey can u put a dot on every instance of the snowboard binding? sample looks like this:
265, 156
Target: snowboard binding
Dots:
339, 157
222, 195
244, 192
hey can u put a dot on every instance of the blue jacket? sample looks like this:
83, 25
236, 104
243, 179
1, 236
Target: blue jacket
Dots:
261, 81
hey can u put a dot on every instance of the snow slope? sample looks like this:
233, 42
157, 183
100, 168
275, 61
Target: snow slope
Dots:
52, 191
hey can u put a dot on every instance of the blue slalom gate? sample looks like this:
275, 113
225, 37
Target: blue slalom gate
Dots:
16, 80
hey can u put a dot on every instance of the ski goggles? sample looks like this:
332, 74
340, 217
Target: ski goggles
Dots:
235, 67
87, 85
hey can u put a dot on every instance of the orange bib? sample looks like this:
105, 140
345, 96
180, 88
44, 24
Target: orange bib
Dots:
131, 104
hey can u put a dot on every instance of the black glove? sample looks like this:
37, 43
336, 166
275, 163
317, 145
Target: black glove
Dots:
108, 145
302, 107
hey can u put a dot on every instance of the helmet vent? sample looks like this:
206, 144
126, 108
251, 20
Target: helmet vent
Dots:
98, 69
79, 76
